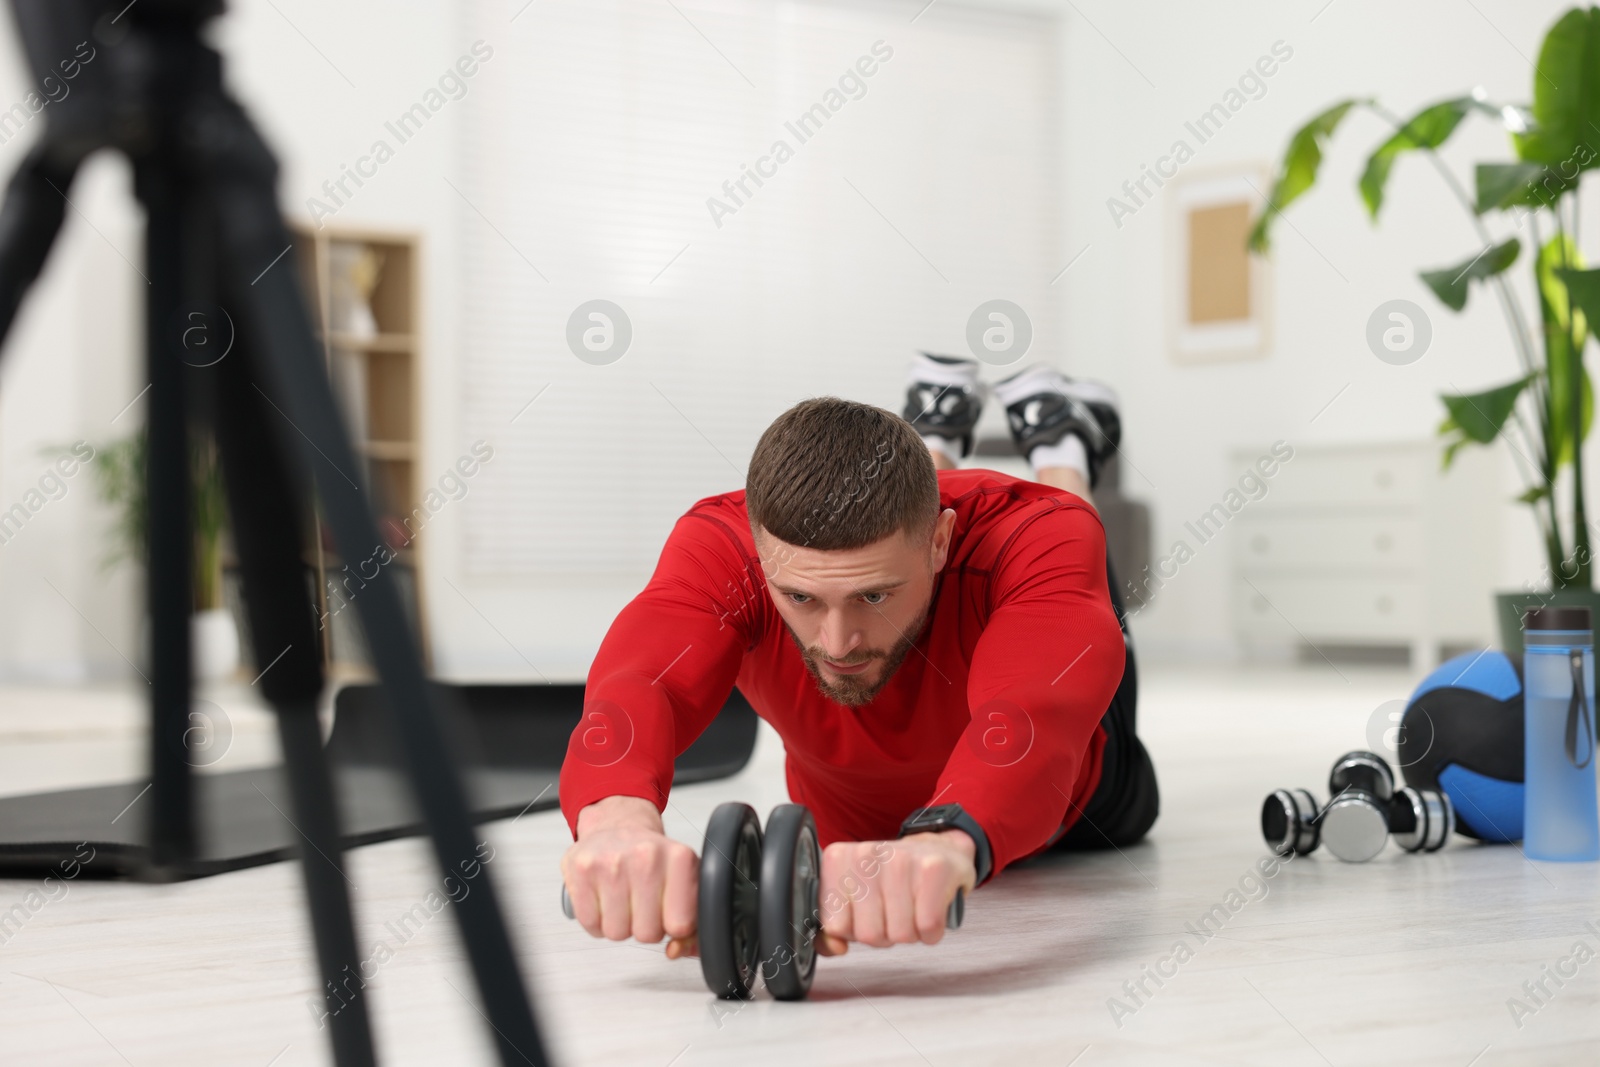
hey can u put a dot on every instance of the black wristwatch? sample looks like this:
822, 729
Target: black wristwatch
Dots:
952, 817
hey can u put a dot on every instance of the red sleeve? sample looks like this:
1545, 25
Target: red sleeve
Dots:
1042, 675
665, 668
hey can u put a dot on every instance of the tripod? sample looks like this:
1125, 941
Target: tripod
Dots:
153, 91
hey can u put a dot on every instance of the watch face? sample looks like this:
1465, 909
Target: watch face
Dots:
934, 816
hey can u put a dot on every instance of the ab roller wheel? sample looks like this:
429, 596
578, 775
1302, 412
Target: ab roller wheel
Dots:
759, 910
791, 915
730, 901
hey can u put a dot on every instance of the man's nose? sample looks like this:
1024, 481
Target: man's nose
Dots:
838, 638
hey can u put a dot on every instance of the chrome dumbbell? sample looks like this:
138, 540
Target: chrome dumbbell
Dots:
1364, 813
1419, 820
1355, 824
1291, 823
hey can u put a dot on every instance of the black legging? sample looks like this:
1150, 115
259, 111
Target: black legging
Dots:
1126, 802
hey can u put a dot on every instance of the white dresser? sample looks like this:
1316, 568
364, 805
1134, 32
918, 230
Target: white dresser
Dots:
1369, 545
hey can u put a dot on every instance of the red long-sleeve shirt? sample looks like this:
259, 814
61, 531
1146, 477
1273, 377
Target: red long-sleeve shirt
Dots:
997, 709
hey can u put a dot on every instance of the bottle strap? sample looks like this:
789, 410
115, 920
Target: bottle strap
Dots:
1578, 711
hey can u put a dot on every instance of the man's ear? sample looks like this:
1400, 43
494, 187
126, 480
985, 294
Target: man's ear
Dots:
943, 529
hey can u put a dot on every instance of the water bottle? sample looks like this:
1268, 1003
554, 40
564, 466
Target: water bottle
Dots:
1561, 820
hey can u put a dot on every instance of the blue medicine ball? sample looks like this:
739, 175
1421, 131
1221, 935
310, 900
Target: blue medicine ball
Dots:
1462, 733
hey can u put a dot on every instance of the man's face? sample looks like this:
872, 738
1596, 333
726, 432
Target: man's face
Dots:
855, 613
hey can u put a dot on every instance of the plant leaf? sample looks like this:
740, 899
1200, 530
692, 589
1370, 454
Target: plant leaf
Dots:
1566, 95
1534, 495
1502, 185
1558, 259
1428, 128
1298, 172
1449, 284
1480, 417
1453, 446
1581, 286
1559, 285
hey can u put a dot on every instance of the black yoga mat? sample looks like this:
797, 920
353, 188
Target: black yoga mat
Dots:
512, 739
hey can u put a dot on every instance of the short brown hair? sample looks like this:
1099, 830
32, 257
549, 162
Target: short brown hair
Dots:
833, 474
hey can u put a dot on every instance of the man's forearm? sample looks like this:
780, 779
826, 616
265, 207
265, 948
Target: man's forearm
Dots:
617, 812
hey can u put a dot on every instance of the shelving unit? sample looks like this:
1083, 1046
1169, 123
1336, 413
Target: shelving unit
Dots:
1365, 546
374, 362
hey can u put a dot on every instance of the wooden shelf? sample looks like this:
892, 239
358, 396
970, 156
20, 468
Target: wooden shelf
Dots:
390, 449
375, 378
383, 342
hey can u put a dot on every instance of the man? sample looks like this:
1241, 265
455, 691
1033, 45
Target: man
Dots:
923, 638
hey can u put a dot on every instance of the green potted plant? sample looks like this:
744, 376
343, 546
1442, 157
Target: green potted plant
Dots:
120, 475
1545, 411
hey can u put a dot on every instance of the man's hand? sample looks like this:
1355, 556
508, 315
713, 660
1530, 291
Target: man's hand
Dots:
627, 878
886, 893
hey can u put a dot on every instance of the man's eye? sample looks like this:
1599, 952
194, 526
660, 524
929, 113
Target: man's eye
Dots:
798, 598
874, 598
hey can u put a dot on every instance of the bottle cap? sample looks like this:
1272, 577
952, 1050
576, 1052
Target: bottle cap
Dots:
1556, 619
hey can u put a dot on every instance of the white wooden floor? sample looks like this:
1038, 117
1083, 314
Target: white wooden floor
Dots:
1407, 959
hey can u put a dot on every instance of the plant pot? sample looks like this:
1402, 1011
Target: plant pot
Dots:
1510, 606
214, 640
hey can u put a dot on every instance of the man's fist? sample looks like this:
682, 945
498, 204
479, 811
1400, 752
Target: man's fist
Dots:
627, 878
884, 893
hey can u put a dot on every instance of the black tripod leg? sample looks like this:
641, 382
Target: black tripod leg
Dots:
267, 528
253, 236
169, 241
29, 221
322, 863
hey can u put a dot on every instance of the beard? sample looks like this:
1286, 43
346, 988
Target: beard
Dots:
853, 690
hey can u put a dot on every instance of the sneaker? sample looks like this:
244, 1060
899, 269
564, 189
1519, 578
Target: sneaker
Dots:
1043, 406
944, 398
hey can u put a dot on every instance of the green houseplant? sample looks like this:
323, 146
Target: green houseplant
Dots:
120, 476
1546, 410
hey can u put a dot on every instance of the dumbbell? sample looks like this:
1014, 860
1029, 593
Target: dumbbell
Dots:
1289, 822
1364, 812
1355, 824
1419, 820
759, 908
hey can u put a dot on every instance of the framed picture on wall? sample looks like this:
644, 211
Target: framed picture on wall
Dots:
1217, 292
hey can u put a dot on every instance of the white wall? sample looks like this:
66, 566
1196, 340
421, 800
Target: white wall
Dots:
322, 80
71, 366
319, 123
807, 288
1331, 268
